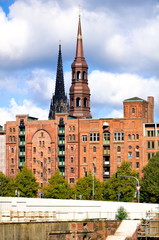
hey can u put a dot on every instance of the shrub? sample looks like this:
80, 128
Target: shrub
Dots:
121, 213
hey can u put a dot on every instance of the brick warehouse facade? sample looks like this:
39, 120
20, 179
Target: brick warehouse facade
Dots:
73, 141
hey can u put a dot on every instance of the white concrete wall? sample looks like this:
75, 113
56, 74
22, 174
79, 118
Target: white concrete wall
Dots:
75, 209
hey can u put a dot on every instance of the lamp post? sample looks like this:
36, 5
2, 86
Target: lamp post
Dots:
137, 185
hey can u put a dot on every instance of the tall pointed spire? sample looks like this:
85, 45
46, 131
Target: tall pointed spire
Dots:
59, 103
79, 90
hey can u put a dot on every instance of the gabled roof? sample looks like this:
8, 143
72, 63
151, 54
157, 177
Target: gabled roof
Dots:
135, 99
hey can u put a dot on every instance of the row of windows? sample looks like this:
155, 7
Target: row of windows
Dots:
85, 149
12, 139
151, 144
12, 130
129, 147
41, 144
79, 75
152, 133
46, 160
79, 102
71, 137
86, 172
118, 136
119, 161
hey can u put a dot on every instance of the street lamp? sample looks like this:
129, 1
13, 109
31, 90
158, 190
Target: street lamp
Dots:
137, 184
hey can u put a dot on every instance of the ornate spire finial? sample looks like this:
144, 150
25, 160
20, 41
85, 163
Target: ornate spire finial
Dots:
79, 11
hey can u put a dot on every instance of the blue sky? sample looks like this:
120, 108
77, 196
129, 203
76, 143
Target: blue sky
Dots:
121, 47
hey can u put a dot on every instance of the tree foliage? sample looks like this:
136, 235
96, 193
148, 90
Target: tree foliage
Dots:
121, 213
84, 189
150, 181
58, 187
25, 183
4, 185
121, 188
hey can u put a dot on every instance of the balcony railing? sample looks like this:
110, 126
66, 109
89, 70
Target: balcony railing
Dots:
61, 152
22, 143
61, 141
61, 163
22, 154
22, 133
106, 152
106, 142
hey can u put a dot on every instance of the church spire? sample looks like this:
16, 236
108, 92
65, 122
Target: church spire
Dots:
79, 90
59, 102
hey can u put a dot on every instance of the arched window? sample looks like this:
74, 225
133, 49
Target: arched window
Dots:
133, 110
85, 102
78, 102
78, 75
84, 75
118, 149
94, 149
129, 137
137, 136
133, 136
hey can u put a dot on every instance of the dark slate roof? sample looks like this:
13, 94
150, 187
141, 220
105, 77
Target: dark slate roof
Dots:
135, 99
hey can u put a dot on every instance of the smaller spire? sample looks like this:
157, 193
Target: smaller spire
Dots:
59, 103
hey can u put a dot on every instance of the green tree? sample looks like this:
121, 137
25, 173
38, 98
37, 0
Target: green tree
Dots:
4, 183
121, 213
150, 181
58, 187
84, 188
25, 183
121, 188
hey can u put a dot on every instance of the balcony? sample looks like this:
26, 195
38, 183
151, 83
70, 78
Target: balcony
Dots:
106, 163
61, 153
106, 142
106, 173
22, 143
21, 133
106, 152
21, 164
22, 154
61, 164
61, 142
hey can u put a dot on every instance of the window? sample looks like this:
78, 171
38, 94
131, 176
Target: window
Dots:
41, 174
72, 160
106, 136
42, 134
118, 159
84, 160
72, 180
94, 149
137, 147
150, 155
137, 136
34, 149
49, 149
39, 143
137, 164
94, 160
13, 129
41, 164
71, 148
129, 154
118, 149
10, 129
84, 138
150, 144
95, 170
85, 102
34, 160
129, 137
48, 160
72, 170
49, 170
70, 137
94, 136
133, 110
78, 102
12, 160
118, 136
137, 154
133, 136
130, 147
12, 150
41, 154
12, 171
84, 149
150, 133
34, 171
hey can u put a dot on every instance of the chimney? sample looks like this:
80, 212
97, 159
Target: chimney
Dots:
150, 109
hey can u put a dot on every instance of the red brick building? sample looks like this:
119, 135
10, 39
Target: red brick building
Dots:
73, 141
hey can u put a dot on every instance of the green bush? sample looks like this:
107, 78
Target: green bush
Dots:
121, 213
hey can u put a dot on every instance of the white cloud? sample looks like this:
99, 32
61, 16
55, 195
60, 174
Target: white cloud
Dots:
27, 107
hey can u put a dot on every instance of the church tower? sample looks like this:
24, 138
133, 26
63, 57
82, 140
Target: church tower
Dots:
59, 103
79, 90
